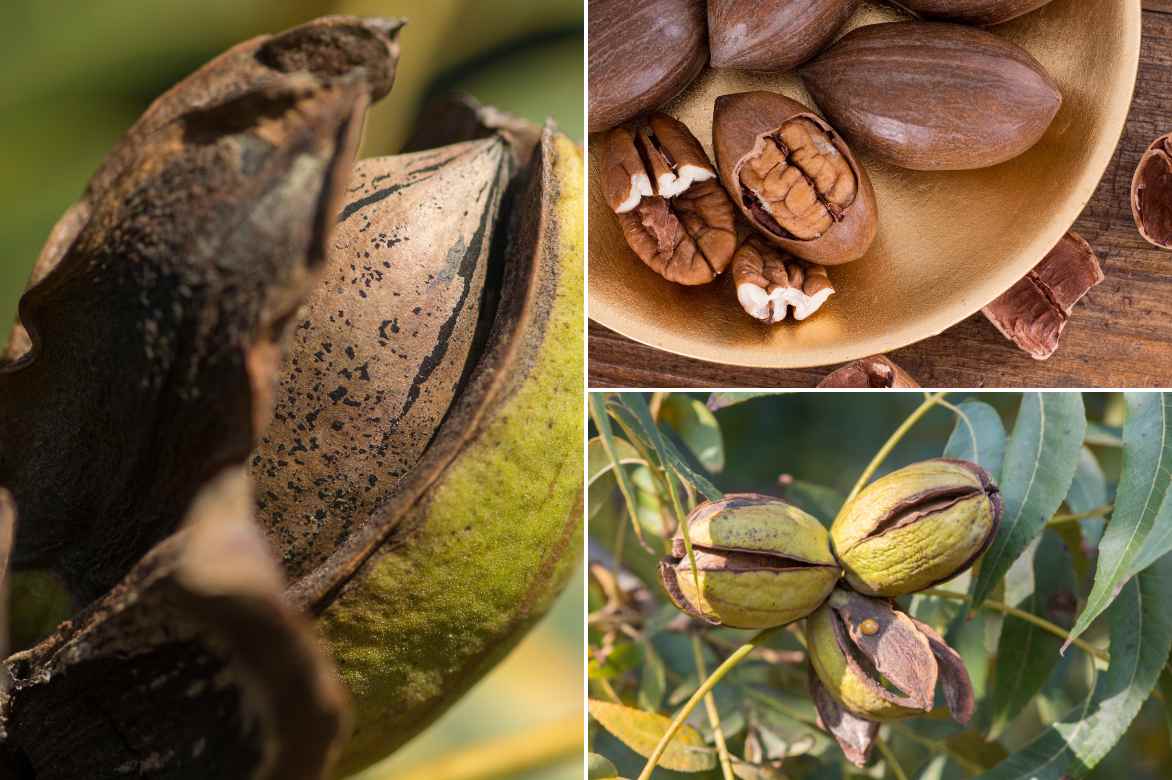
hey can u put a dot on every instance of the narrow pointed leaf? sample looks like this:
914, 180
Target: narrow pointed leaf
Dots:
601, 420
653, 680
979, 436
1141, 636
1141, 523
666, 449
718, 401
697, 428
1026, 655
598, 462
1040, 460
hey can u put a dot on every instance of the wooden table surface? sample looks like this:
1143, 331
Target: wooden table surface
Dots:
1120, 335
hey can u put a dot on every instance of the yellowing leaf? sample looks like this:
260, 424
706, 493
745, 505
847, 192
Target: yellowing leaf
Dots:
641, 732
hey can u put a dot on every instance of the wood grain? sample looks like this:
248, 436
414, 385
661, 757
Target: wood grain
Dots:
1120, 335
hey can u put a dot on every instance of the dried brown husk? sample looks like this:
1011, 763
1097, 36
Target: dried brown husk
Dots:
933, 96
742, 124
193, 665
773, 35
641, 56
877, 372
1034, 312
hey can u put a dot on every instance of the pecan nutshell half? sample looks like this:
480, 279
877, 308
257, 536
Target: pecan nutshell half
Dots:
793, 178
982, 12
1150, 190
1034, 312
672, 211
770, 282
875, 372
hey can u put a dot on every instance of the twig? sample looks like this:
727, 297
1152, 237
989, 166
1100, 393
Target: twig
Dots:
890, 444
713, 713
1029, 617
717, 675
1096, 512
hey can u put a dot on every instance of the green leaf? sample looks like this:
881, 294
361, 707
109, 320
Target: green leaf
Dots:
598, 413
667, 451
598, 462
653, 681
979, 436
1140, 530
1040, 459
599, 768
1039, 582
1141, 637
641, 732
1103, 435
697, 428
622, 659
718, 401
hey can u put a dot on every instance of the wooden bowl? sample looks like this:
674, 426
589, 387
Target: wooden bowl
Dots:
948, 243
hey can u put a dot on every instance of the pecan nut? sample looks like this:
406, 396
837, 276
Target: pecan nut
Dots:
793, 178
875, 663
876, 372
916, 526
770, 282
759, 562
672, 211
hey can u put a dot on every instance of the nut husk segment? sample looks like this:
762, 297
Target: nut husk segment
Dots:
1034, 312
916, 526
770, 283
760, 562
933, 96
1151, 193
888, 671
447, 574
772, 34
193, 666
672, 212
982, 12
641, 56
157, 334
771, 148
381, 345
875, 372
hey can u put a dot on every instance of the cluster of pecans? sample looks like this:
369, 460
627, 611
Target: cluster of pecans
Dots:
805, 201
758, 562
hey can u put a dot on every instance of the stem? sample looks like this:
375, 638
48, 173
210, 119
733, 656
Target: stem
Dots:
1096, 512
890, 444
620, 476
717, 675
503, 758
713, 713
1041, 623
889, 759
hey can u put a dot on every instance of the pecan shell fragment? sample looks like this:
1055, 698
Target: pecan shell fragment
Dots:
875, 372
1034, 312
1151, 193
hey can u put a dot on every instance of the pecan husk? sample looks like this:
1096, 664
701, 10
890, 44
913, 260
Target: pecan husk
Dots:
1034, 312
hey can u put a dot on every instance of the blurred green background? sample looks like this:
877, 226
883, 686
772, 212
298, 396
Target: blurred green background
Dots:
74, 74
